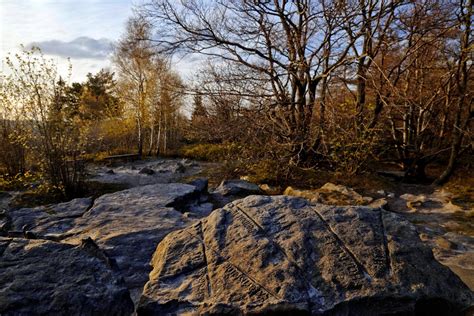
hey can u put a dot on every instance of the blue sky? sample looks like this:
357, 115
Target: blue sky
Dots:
80, 29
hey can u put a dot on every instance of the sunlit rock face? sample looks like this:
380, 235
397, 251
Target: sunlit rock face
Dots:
41, 277
265, 255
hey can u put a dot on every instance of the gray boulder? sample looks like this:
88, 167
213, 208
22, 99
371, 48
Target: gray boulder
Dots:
231, 190
49, 221
263, 255
237, 188
129, 224
201, 184
40, 277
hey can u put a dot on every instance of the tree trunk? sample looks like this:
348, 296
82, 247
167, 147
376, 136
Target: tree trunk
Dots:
462, 80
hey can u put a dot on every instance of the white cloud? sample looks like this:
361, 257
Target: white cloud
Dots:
80, 48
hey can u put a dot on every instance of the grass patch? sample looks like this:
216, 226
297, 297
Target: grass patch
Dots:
210, 152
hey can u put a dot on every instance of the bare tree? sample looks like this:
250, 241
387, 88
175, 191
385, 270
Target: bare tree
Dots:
283, 41
464, 111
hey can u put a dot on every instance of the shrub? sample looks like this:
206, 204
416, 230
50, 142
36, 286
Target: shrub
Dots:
211, 152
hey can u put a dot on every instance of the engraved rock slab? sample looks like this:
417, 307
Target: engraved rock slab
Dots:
284, 254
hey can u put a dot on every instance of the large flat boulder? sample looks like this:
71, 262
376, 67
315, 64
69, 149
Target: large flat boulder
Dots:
41, 277
284, 254
129, 224
49, 221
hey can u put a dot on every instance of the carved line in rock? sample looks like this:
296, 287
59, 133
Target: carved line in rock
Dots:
204, 248
181, 252
228, 262
309, 284
255, 289
271, 239
6, 247
388, 261
352, 265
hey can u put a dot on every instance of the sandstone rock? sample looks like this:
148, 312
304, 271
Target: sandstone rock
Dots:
444, 243
237, 188
50, 220
312, 195
128, 225
270, 190
201, 210
382, 202
331, 194
230, 190
39, 277
201, 184
285, 255
348, 193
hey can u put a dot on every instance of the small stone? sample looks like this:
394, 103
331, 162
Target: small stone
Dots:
180, 168
201, 184
110, 171
147, 171
445, 244
270, 190
311, 195
378, 203
237, 188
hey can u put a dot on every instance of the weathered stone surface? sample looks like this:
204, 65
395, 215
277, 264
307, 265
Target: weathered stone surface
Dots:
331, 194
146, 172
129, 224
4, 222
201, 184
284, 254
39, 277
51, 220
237, 187
447, 228
231, 190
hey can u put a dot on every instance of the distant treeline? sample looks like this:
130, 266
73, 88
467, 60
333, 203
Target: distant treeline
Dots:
308, 84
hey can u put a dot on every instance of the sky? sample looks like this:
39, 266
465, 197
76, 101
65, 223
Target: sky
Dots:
83, 30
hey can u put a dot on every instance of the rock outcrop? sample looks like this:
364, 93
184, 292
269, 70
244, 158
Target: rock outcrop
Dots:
48, 221
146, 172
285, 255
41, 277
332, 194
231, 190
129, 224
237, 188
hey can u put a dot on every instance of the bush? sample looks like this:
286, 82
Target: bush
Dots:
19, 182
211, 152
